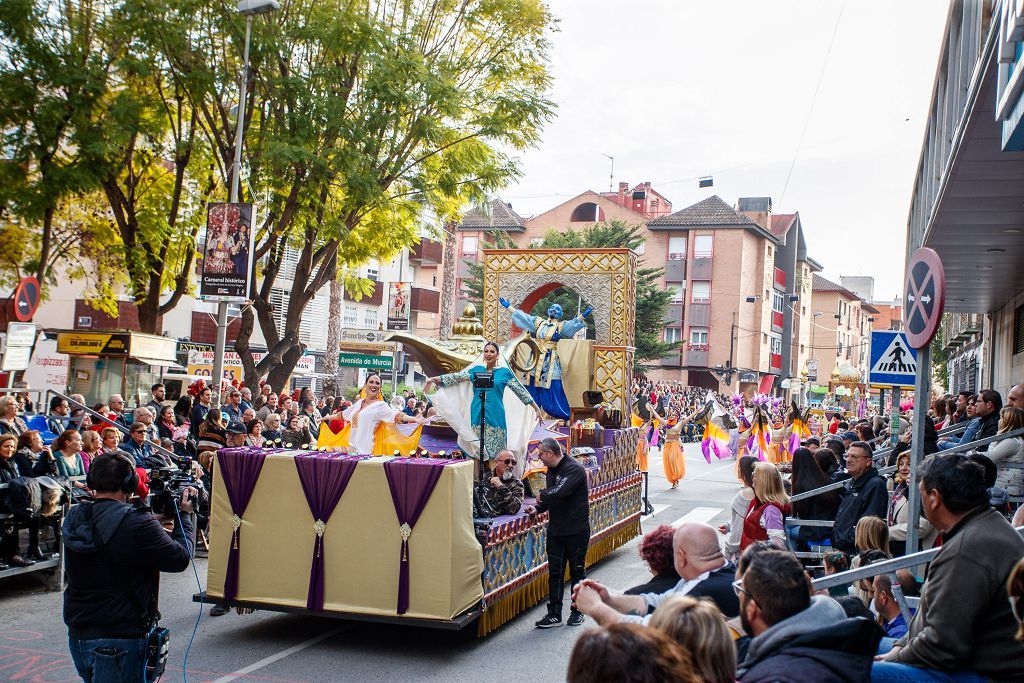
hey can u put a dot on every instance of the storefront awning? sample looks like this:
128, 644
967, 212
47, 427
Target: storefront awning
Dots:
159, 362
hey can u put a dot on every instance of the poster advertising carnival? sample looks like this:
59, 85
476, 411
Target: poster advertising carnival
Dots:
227, 253
398, 305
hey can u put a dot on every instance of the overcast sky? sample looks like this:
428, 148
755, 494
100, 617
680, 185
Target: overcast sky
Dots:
676, 89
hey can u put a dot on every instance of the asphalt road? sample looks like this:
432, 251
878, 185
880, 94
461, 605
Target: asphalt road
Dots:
268, 646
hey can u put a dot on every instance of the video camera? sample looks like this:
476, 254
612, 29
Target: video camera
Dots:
166, 483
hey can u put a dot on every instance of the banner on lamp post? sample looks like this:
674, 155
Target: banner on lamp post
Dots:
399, 295
227, 253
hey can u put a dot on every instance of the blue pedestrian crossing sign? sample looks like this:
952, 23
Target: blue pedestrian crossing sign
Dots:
893, 360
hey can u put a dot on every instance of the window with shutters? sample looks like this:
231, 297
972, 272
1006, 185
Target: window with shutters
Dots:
700, 292
677, 248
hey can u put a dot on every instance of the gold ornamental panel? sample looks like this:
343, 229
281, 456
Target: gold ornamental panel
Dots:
606, 278
613, 375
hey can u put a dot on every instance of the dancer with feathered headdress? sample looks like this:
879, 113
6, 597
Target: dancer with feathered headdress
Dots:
800, 429
759, 435
716, 433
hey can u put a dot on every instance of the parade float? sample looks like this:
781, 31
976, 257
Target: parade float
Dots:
388, 538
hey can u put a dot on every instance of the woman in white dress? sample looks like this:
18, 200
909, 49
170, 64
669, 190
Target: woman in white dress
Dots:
367, 413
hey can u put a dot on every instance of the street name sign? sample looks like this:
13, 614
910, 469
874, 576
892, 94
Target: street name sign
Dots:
363, 360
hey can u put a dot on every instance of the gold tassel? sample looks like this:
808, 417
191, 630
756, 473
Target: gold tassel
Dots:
236, 539
405, 551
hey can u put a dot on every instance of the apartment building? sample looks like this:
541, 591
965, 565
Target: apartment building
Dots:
841, 330
737, 275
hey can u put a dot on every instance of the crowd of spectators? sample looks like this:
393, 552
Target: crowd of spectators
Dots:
772, 625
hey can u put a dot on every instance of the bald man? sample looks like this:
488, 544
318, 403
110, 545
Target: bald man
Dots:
1016, 397
703, 569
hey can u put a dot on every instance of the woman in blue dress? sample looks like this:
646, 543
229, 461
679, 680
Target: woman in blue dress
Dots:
496, 430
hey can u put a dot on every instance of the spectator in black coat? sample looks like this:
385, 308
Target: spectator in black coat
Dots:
115, 553
798, 637
866, 494
565, 499
987, 409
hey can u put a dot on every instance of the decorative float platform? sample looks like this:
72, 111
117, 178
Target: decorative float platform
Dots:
393, 540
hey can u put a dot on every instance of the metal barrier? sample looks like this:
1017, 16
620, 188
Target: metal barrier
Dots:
892, 468
883, 567
38, 403
56, 563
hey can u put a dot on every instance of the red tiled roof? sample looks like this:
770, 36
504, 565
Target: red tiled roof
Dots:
781, 223
820, 284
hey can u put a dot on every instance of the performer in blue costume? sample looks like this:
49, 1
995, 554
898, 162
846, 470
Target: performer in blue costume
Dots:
545, 384
496, 432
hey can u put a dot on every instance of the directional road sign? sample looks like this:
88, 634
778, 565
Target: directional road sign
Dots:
893, 360
925, 297
26, 299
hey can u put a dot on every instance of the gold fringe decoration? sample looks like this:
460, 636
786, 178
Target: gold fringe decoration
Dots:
502, 611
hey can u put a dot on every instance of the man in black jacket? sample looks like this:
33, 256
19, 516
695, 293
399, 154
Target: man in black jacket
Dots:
114, 555
797, 637
865, 495
987, 409
566, 501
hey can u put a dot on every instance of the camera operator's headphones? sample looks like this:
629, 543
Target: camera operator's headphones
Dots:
129, 484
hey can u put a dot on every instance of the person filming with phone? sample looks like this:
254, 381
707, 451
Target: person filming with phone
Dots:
114, 555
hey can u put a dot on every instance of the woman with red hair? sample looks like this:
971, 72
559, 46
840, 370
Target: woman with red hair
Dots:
656, 551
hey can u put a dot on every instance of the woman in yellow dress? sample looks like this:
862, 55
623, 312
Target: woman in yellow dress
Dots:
672, 451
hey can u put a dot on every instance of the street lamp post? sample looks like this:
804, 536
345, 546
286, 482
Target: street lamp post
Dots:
249, 9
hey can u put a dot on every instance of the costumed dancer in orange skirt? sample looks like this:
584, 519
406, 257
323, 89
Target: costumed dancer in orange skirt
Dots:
672, 451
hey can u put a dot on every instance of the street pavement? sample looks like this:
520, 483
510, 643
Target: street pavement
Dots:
273, 647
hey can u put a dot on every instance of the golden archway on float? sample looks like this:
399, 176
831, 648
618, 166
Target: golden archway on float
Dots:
605, 278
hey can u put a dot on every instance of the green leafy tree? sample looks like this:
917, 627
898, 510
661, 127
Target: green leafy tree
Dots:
361, 116
53, 72
652, 301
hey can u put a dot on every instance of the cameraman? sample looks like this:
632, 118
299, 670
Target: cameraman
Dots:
114, 555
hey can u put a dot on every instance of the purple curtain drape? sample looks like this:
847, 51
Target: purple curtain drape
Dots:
412, 481
240, 469
324, 479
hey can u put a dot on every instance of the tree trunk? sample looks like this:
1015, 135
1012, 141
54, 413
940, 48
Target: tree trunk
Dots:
448, 293
334, 309
150, 319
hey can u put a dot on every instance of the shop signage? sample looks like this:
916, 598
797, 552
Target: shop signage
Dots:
93, 343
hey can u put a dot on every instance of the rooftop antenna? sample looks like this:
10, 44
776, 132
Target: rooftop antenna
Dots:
611, 176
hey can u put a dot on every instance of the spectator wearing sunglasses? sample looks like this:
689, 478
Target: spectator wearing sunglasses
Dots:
505, 492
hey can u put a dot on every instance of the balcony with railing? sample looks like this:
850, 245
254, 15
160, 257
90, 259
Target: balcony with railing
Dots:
426, 252
700, 315
675, 269
958, 328
697, 355
425, 300
701, 268
373, 299
780, 279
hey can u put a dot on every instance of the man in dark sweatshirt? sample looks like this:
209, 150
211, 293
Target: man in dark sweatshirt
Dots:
566, 501
114, 555
866, 495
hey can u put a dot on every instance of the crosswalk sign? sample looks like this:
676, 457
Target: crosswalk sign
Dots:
893, 360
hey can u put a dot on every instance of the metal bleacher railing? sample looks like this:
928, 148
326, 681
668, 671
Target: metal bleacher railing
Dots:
884, 567
962, 448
